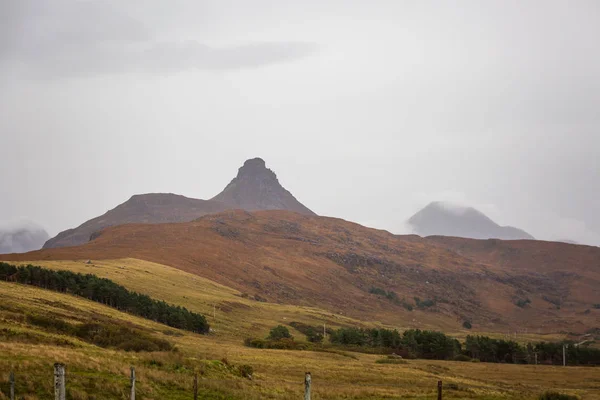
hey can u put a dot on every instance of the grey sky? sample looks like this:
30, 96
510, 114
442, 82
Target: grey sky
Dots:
366, 110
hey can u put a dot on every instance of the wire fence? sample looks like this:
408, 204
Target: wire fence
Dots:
61, 382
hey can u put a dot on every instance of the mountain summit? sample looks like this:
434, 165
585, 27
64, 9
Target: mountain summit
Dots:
256, 188
447, 219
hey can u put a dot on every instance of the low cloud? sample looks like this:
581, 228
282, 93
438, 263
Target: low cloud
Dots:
72, 39
21, 235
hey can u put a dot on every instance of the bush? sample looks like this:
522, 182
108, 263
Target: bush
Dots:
462, 357
550, 395
281, 344
596, 306
391, 361
279, 332
467, 325
246, 371
424, 303
522, 303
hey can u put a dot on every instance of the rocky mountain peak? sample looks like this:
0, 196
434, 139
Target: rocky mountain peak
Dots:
255, 168
257, 188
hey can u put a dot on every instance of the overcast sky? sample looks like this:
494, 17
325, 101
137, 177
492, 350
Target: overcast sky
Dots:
366, 110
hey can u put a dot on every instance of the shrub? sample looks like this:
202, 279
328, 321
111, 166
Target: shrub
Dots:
596, 306
462, 357
391, 361
424, 303
451, 386
550, 395
279, 332
467, 325
246, 371
522, 302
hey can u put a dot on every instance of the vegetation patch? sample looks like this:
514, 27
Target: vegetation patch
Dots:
391, 296
106, 292
522, 303
550, 395
424, 303
102, 333
391, 359
313, 333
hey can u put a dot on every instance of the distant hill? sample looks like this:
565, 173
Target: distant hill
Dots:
255, 188
21, 236
446, 219
345, 268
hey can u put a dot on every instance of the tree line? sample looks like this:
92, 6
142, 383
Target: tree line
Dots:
107, 292
416, 343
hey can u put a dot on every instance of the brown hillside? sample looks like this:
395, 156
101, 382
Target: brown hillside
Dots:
254, 188
325, 262
151, 208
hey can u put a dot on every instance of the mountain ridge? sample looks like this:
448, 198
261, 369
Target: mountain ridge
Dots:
254, 188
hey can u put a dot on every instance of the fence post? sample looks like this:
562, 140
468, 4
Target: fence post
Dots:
132, 383
196, 386
307, 383
439, 390
12, 385
59, 382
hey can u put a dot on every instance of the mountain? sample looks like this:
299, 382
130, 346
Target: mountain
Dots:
150, 208
254, 188
21, 236
446, 219
290, 258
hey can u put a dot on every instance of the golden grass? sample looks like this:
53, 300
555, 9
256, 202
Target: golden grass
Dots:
278, 374
229, 315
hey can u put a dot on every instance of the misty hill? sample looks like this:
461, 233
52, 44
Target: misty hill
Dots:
255, 188
445, 219
22, 236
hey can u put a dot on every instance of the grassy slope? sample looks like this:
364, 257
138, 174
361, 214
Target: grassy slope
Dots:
278, 374
331, 264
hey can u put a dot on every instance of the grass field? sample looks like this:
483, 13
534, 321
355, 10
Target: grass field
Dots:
98, 373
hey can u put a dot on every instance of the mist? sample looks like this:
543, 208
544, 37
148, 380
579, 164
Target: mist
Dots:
367, 111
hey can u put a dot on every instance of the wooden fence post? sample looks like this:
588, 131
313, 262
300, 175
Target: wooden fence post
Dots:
59, 382
196, 386
439, 390
307, 383
132, 383
12, 385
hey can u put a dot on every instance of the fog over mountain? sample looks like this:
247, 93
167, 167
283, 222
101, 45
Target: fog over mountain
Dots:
451, 219
20, 236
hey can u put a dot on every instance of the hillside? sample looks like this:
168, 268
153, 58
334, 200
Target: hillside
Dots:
288, 258
29, 346
254, 188
440, 218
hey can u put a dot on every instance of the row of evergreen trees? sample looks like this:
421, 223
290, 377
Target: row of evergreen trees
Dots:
416, 343
106, 292
497, 350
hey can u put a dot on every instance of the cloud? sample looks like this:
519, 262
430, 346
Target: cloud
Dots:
21, 235
92, 38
